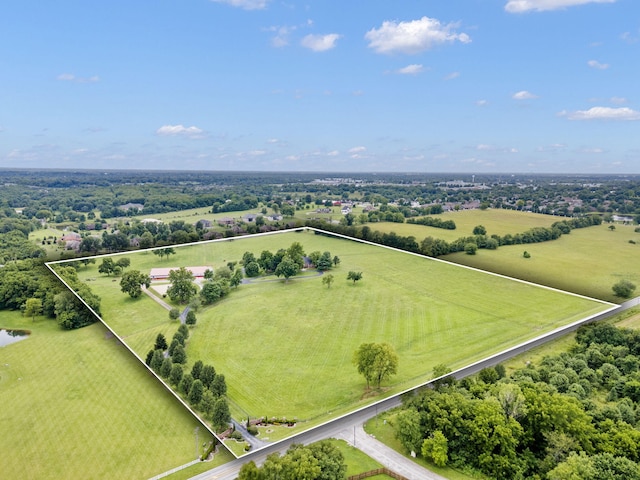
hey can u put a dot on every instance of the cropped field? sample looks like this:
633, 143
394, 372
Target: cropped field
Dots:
285, 348
78, 405
586, 261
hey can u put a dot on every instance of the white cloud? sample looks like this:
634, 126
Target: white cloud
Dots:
414, 36
70, 77
630, 38
180, 130
320, 43
597, 65
245, 4
333, 153
554, 147
523, 95
272, 140
592, 150
412, 69
452, 76
602, 113
281, 39
359, 149
482, 103
618, 100
521, 6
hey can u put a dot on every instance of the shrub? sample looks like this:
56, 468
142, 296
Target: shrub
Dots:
624, 289
252, 429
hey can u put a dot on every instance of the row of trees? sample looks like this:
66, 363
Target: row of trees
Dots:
203, 388
576, 415
435, 247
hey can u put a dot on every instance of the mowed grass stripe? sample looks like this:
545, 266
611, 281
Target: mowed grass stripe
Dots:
285, 348
78, 405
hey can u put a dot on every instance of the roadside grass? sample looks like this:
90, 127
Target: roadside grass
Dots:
286, 348
356, 461
588, 261
76, 404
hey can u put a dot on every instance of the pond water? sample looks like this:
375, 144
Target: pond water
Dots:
8, 337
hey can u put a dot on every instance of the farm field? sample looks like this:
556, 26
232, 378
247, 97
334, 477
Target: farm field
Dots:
496, 221
76, 404
286, 348
586, 261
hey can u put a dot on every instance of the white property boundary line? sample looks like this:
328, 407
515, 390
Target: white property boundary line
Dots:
469, 369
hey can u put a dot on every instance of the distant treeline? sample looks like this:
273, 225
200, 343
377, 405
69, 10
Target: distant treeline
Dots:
435, 247
433, 222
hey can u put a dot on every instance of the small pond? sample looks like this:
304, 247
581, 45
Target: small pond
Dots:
8, 336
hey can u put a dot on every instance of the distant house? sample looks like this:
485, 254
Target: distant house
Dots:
275, 217
323, 210
163, 273
250, 217
131, 206
71, 236
345, 210
226, 221
204, 223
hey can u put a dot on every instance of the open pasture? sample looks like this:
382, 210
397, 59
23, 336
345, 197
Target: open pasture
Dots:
76, 404
496, 221
586, 261
286, 348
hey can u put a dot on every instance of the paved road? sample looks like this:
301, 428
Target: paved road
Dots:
387, 456
350, 425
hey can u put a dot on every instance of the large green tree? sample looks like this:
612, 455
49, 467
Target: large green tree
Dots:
132, 282
376, 362
182, 287
33, 308
287, 268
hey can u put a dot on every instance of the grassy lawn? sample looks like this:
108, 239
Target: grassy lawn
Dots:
77, 405
587, 261
356, 461
286, 348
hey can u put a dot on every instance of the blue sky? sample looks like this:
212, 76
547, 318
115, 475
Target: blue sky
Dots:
406, 85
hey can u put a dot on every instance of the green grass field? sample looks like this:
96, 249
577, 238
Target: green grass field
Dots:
496, 221
79, 405
587, 261
285, 348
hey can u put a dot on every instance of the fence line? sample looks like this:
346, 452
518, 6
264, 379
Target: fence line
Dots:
378, 471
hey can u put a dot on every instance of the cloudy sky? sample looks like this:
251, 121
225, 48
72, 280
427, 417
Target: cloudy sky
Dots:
322, 85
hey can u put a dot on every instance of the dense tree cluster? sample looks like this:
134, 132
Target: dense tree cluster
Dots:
70, 312
318, 461
576, 415
434, 222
